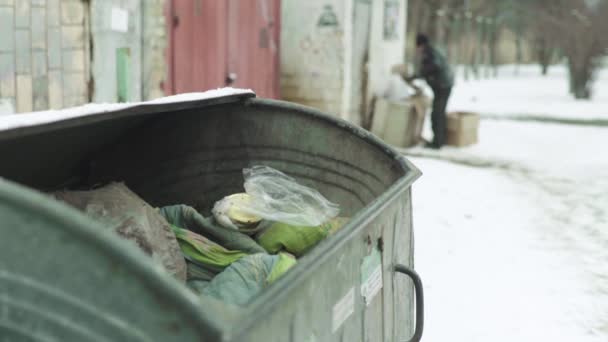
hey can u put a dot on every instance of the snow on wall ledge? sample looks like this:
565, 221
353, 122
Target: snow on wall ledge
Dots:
36, 118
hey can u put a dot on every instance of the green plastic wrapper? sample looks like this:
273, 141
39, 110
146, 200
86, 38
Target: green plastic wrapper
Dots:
297, 240
205, 257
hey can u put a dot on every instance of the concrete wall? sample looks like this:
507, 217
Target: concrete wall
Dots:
354, 102
146, 39
43, 54
386, 50
333, 68
312, 53
154, 67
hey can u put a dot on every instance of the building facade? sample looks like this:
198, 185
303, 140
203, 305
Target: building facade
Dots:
337, 54
62, 53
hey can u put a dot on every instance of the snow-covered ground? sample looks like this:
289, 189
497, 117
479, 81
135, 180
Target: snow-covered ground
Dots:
527, 93
512, 234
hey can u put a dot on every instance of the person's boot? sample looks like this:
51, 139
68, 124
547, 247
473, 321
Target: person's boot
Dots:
432, 145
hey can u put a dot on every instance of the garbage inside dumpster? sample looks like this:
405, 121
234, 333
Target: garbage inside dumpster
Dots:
276, 197
227, 212
216, 255
118, 208
297, 240
187, 217
247, 277
205, 258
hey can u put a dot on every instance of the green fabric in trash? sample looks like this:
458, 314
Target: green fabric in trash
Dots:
282, 265
199, 272
184, 216
197, 285
246, 278
297, 239
208, 257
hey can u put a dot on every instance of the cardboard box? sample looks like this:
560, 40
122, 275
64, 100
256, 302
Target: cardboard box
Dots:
462, 128
400, 123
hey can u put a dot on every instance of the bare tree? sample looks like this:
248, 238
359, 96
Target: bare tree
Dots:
468, 31
578, 28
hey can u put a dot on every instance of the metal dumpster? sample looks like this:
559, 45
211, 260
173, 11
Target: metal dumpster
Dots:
62, 279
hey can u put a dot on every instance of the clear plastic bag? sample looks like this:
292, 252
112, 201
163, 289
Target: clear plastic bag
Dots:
278, 197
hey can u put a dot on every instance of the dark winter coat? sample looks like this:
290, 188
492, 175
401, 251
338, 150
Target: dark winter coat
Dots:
434, 68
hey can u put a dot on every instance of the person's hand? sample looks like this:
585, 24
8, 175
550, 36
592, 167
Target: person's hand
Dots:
399, 69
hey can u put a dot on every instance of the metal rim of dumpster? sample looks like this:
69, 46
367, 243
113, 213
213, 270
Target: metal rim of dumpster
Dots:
145, 108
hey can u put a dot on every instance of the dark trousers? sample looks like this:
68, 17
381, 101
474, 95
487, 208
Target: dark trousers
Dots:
438, 116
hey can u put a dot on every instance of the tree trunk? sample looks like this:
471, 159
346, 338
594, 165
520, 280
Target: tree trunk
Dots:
456, 58
518, 51
580, 86
493, 46
448, 39
439, 27
480, 34
544, 69
425, 21
465, 49
580, 80
544, 56
473, 62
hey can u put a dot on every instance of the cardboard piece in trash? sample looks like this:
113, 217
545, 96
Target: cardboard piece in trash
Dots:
462, 128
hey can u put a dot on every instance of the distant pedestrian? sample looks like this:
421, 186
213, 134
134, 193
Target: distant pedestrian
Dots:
432, 66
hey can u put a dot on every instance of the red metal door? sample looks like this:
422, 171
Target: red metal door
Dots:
253, 55
197, 45
223, 43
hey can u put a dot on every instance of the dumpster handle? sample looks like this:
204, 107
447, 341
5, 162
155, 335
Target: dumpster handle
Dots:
419, 299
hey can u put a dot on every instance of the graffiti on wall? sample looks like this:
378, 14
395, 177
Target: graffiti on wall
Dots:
322, 46
328, 17
323, 49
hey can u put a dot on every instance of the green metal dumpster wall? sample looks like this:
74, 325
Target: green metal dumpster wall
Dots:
193, 153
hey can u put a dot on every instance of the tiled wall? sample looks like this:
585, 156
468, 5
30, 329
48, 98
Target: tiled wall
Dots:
44, 53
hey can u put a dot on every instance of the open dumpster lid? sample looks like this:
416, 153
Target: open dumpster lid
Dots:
27, 121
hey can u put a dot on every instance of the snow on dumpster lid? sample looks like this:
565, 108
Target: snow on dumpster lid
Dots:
12, 121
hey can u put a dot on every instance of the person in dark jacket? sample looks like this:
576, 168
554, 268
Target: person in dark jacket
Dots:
433, 67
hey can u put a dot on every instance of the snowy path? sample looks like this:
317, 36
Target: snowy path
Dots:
515, 250
529, 94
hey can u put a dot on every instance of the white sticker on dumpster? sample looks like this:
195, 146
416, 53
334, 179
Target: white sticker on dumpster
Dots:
343, 309
372, 286
371, 276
